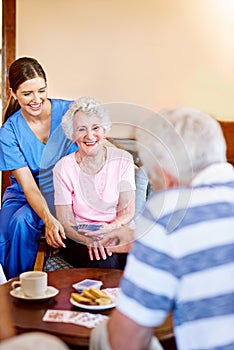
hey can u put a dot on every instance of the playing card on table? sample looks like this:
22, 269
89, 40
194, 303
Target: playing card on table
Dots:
58, 316
85, 319
112, 292
88, 320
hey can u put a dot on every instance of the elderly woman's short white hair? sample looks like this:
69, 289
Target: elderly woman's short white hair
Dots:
89, 106
182, 141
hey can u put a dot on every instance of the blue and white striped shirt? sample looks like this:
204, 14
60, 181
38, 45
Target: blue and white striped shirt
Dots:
183, 261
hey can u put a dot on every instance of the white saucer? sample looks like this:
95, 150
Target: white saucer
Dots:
49, 293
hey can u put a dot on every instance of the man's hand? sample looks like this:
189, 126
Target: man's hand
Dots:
119, 240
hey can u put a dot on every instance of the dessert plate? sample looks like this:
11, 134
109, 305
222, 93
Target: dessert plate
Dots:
93, 307
49, 293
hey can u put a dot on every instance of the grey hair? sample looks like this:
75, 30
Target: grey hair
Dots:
182, 141
89, 106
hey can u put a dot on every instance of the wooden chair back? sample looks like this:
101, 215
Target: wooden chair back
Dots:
228, 131
5, 180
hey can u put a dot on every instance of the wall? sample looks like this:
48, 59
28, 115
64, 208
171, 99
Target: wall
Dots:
1, 58
150, 53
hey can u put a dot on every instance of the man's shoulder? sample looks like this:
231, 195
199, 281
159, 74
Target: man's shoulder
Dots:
168, 207
172, 198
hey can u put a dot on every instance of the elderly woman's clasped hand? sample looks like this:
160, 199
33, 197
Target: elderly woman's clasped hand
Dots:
95, 247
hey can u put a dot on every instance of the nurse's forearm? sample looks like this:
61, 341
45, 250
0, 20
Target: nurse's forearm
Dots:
33, 193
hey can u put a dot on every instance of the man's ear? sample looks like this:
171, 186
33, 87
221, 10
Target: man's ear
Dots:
13, 94
161, 179
170, 181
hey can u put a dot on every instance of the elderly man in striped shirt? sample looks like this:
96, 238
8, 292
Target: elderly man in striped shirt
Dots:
182, 260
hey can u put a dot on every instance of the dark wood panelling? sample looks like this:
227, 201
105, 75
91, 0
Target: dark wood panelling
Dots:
228, 131
8, 56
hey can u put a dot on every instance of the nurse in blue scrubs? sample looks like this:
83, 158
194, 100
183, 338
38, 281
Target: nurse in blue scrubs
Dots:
31, 142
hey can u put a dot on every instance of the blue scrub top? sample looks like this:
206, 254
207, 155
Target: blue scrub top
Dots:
19, 147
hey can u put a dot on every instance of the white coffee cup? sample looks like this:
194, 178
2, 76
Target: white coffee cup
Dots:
32, 283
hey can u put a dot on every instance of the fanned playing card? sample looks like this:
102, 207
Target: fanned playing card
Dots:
85, 319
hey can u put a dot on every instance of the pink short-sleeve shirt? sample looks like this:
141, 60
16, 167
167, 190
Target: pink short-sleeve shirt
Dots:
95, 197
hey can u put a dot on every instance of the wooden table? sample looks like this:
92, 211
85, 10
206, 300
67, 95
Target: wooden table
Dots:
27, 316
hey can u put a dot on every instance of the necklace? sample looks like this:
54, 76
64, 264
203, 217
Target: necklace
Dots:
92, 164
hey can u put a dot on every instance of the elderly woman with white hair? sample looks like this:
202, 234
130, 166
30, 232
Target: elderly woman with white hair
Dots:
93, 186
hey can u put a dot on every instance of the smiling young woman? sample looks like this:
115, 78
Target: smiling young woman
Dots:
31, 123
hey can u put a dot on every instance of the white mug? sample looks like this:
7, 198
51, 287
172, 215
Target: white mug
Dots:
32, 283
